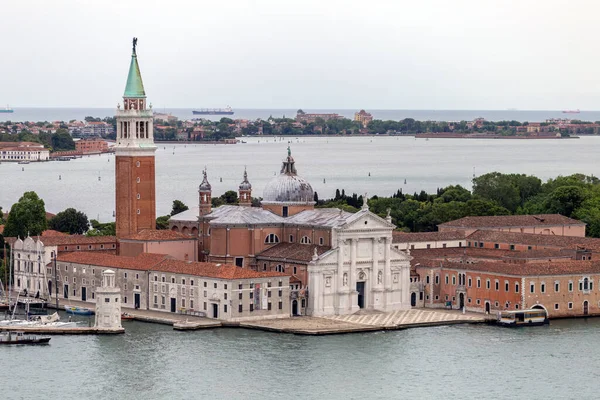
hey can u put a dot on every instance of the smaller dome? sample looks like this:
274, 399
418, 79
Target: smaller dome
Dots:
205, 186
245, 185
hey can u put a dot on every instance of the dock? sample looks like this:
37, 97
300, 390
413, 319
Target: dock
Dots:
80, 330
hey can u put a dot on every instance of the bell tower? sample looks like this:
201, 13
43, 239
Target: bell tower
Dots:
134, 157
205, 191
245, 190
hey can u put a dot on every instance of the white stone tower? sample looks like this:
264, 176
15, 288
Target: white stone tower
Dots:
108, 303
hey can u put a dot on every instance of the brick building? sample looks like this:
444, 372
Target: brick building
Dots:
91, 146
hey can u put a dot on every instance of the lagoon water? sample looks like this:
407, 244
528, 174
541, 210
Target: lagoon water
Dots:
87, 184
560, 361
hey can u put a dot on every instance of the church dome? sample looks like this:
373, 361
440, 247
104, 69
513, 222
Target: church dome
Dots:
288, 187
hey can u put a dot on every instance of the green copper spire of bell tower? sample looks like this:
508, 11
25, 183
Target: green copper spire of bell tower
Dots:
135, 86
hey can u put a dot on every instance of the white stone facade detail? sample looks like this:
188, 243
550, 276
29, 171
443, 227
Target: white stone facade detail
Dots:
363, 270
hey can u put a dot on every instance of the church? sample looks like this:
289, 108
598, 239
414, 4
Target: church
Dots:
339, 262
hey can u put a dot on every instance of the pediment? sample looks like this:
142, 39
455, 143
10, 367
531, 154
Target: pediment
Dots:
400, 255
365, 219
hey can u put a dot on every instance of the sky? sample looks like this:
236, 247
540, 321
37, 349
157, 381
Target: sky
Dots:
323, 54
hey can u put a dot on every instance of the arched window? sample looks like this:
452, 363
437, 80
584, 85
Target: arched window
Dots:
305, 240
272, 238
586, 284
280, 268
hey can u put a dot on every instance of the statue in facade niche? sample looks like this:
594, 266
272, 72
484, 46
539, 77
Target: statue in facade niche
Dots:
345, 279
379, 277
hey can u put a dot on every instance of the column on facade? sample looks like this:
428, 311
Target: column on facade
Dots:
352, 272
340, 267
375, 267
387, 271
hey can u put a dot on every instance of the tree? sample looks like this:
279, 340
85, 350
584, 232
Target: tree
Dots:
565, 200
178, 207
26, 217
61, 140
230, 197
70, 221
162, 222
99, 229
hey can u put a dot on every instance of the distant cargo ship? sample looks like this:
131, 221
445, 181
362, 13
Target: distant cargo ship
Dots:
213, 111
6, 110
571, 111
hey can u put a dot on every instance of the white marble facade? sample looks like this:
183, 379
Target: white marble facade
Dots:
30, 258
363, 271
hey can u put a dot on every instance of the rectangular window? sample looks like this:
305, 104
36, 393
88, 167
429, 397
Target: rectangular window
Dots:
269, 293
497, 286
532, 288
556, 306
437, 279
570, 286
512, 246
225, 296
543, 288
224, 308
470, 282
570, 306
251, 307
251, 294
556, 287
225, 286
204, 306
205, 284
239, 308
215, 285
280, 305
269, 306
506, 286
240, 295
280, 292
487, 284
496, 246
106, 300
427, 279
454, 279
478, 282
516, 287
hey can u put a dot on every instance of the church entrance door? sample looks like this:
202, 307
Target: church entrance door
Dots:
360, 288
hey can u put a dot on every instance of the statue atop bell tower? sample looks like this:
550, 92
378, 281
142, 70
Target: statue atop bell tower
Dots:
134, 157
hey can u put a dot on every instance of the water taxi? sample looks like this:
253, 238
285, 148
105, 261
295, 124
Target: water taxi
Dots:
516, 318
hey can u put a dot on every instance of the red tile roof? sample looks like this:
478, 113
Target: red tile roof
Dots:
213, 270
157, 235
293, 252
512, 221
77, 239
52, 232
570, 267
408, 237
142, 262
531, 239
163, 263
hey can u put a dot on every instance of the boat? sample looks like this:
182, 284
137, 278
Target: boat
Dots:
7, 109
214, 111
571, 111
24, 162
79, 310
126, 317
531, 317
46, 321
22, 338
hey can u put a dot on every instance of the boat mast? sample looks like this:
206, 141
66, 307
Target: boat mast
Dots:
55, 279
